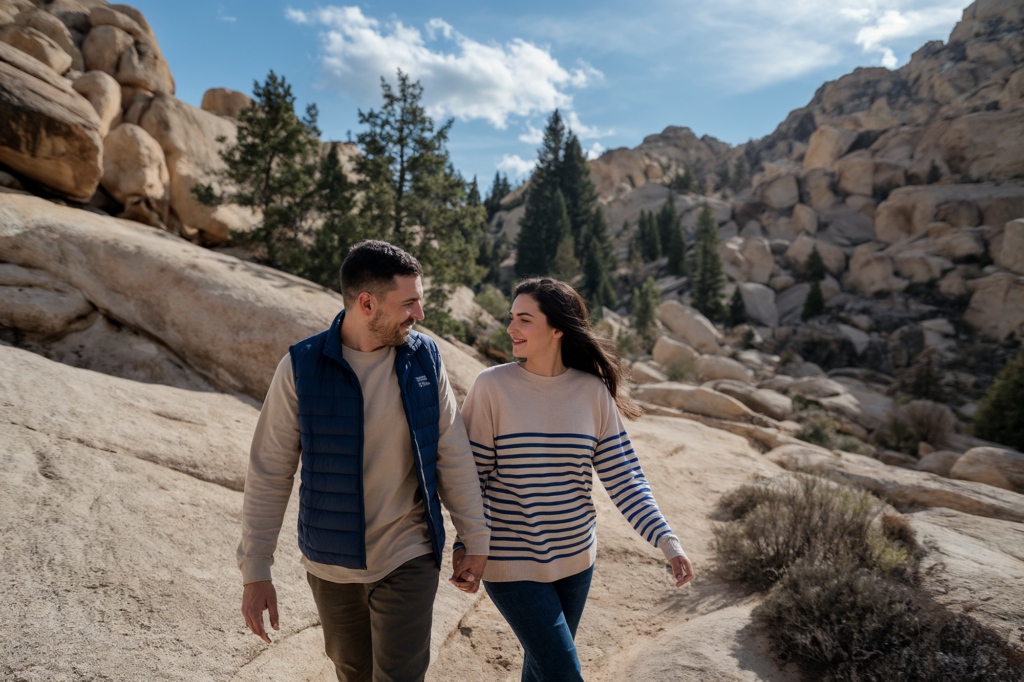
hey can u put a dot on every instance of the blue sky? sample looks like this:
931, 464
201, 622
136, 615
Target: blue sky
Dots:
732, 69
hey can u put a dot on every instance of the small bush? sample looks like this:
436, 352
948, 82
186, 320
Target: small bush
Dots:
848, 444
1001, 417
682, 370
913, 422
818, 428
780, 522
493, 301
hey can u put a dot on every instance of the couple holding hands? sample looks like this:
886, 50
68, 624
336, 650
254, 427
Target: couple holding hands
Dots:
367, 407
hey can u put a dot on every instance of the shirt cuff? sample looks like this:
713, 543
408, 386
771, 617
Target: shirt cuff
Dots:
670, 547
478, 544
256, 569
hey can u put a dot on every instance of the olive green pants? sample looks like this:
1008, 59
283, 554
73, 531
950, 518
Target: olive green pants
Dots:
379, 631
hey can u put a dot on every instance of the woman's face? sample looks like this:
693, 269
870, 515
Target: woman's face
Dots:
531, 334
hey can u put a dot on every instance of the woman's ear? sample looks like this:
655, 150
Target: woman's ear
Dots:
557, 333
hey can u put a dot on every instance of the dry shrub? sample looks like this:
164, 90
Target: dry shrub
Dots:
840, 623
817, 428
782, 521
682, 370
929, 421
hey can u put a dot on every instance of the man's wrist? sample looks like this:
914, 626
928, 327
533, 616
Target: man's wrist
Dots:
256, 570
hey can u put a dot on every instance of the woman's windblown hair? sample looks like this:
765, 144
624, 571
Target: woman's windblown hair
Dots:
582, 348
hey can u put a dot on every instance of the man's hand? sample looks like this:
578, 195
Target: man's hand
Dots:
257, 597
682, 569
468, 569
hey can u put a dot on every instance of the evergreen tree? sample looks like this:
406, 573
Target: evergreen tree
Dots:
673, 242
815, 266
685, 182
598, 263
648, 237
708, 277
473, 194
737, 309
341, 227
1001, 417
411, 193
667, 219
814, 305
577, 188
545, 222
645, 308
273, 168
499, 190
739, 172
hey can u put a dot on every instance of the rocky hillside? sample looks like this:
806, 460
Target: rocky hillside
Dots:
133, 359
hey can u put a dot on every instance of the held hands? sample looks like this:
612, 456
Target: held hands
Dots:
257, 597
682, 569
468, 570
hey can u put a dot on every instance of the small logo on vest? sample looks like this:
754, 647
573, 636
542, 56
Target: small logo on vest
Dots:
422, 381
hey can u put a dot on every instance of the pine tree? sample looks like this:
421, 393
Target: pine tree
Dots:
473, 194
739, 172
411, 193
667, 219
815, 266
673, 242
273, 168
577, 188
499, 190
814, 305
645, 308
648, 237
341, 227
1001, 417
708, 277
685, 182
545, 222
737, 309
598, 263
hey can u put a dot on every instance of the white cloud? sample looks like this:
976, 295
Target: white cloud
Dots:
596, 150
584, 132
516, 166
894, 25
223, 17
461, 77
532, 135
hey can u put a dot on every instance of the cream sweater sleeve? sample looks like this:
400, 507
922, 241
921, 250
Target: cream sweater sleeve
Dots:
273, 460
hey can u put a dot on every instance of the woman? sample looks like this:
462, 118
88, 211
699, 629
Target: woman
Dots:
539, 429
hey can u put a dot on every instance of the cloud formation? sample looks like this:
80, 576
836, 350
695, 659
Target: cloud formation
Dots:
515, 166
894, 25
461, 77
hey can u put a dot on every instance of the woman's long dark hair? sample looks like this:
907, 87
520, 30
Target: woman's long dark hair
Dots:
582, 348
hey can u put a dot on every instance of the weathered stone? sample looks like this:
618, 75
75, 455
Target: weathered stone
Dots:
959, 245
816, 387
959, 213
139, 63
225, 102
817, 190
790, 303
847, 227
902, 486
645, 373
938, 462
872, 273
999, 467
668, 352
103, 48
759, 302
801, 249
189, 138
856, 173
711, 367
889, 175
780, 282
1011, 252
919, 267
805, 219
827, 145
781, 193
50, 134
54, 29
747, 260
859, 339
36, 44
761, 400
104, 94
690, 326
997, 306
909, 210
696, 399
135, 174
38, 304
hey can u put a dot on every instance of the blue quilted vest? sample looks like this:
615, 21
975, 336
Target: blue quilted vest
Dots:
332, 523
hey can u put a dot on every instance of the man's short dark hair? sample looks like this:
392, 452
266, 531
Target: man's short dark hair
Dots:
371, 266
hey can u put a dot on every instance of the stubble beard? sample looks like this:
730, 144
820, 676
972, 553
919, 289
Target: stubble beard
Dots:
388, 334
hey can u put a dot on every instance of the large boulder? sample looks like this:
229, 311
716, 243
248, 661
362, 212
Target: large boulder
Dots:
960, 245
856, 173
1011, 253
135, 174
50, 133
873, 273
817, 190
759, 302
668, 352
38, 304
938, 462
781, 193
761, 400
122, 43
790, 303
690, 326
54, 29
747, 260
800, 250
908, 211
189, 137
920, 267
696, 399
902, 486
103, 93
1000, 467
827, 145
37, 44
712, 367
987, 145
997, 305
225, 102
645, 373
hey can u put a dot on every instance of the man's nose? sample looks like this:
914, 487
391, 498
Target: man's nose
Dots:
417, 312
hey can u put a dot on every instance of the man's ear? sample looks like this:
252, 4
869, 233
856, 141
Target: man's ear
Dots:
366, 304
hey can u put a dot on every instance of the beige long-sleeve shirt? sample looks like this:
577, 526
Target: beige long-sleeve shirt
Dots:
396, 528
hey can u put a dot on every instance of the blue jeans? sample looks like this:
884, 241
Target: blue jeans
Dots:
544, 617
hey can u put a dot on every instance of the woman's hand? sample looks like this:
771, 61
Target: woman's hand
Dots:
467, 571
682, 569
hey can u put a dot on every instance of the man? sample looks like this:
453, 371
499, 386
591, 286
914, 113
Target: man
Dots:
368, 408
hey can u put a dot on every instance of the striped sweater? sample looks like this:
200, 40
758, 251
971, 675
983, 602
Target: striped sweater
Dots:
537, 442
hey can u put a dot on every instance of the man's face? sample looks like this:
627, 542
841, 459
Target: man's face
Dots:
395, 315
